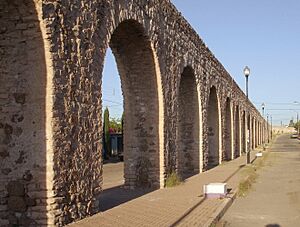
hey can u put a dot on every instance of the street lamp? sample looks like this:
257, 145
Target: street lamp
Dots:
271, 127
268, 128
263, 109
298, 124
247, 73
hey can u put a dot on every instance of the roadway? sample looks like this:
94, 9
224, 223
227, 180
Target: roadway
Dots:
275, 199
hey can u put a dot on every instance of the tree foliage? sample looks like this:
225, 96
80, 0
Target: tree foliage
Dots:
106, 126
115, 125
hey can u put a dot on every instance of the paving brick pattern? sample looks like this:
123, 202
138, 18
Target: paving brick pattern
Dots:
183, 205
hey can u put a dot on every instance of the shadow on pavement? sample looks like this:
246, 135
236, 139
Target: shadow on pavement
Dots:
111, 160
115, 196
188, 212
272, 225
235, 172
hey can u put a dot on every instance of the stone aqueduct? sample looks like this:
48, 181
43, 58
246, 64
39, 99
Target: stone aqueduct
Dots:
183, 111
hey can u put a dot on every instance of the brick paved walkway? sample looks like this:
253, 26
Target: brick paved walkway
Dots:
183, 205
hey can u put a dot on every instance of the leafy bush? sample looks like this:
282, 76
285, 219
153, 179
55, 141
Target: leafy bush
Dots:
173, 180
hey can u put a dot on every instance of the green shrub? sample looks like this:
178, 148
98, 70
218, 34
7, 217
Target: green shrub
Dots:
173, 180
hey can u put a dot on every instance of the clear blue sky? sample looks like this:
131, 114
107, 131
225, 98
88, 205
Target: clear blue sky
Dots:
263, 34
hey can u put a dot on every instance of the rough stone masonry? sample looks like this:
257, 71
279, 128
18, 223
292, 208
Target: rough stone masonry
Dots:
183, 111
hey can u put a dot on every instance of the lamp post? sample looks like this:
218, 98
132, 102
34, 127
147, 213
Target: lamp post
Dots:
268, 128
263, 114
263, 109
247, 73
298, 124
271, 127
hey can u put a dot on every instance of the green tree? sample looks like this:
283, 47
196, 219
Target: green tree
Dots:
106, 126
115, 125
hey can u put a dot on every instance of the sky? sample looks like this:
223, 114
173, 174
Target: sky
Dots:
263, 34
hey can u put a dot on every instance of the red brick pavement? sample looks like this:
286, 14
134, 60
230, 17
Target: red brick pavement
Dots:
183, 205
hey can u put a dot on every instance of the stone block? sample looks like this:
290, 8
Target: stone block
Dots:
15, 188
13, 220
16, 204
6, 171
21, 26
3, 152
4, 222
20, 98
29, 201
25, 221
3, 207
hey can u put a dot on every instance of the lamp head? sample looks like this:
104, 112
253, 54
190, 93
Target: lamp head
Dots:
246, 71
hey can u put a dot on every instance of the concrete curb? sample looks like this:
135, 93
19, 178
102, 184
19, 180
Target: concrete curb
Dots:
220, 211
218, 214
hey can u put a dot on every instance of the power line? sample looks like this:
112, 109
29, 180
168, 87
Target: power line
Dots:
283, 109
106, 100
278, 103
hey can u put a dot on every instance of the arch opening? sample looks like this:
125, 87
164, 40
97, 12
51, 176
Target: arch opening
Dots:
237, 133
252, 134
142, 131
213, 129
188, 125
244, 133
228, 131
256, 134
248, 133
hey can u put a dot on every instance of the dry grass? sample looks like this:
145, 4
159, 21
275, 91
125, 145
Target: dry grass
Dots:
251, 175
173, 180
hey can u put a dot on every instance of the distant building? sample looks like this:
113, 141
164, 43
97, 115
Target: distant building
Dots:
116, 141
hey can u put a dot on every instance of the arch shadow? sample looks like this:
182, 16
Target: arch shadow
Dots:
237, 133
188, 122
213, 120
139, 72
228, 130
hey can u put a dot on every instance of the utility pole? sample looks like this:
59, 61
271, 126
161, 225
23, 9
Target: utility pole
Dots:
298, 125
271, 128
268, 128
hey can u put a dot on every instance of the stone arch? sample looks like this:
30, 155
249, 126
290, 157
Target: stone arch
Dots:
248, 133
213, 121
252, 137
237, 132
228, 130
26, 130
188, 125
143, 106
260, 133
257, 133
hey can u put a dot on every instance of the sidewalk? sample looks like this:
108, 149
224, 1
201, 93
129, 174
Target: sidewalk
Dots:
183, 205
274, 198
